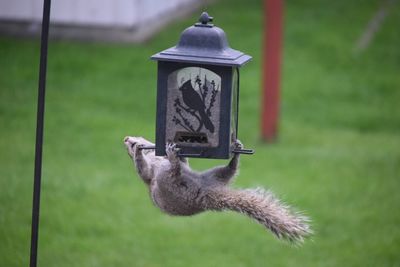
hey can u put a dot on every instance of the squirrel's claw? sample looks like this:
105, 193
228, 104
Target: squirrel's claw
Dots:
238, 144
171, 150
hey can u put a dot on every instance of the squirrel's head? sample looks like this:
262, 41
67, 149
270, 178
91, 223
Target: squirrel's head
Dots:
131, 142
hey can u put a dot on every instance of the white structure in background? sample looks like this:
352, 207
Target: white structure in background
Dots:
110, 20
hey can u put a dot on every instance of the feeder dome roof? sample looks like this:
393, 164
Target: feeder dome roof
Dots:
203, 43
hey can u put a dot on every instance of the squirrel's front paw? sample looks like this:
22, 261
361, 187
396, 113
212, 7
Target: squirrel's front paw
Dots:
171, 150
238, 144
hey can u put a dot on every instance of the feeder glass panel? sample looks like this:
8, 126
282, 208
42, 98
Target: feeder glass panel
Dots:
193, 107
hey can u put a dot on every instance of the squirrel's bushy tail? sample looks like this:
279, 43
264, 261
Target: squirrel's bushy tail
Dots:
262, 206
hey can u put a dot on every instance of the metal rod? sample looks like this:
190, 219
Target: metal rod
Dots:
237, 101
147, 147
39, 133
188, 155
244, 151
240, 151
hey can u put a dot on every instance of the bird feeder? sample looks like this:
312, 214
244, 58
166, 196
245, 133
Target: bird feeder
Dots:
197, 93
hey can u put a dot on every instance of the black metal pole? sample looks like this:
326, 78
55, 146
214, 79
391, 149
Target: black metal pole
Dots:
39, 133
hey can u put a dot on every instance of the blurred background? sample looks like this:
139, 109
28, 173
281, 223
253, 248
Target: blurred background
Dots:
337, 156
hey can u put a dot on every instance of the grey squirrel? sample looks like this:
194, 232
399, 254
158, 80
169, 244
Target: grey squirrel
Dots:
178, 190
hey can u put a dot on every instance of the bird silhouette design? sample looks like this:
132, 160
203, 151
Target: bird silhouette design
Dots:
193, 100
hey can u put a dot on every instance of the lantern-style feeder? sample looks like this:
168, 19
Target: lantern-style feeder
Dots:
197, 93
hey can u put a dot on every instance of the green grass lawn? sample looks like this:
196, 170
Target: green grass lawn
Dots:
337, 157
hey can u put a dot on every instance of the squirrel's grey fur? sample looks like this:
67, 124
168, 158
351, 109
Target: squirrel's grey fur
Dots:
178, 190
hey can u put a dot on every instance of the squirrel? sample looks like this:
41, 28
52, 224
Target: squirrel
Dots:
178, 190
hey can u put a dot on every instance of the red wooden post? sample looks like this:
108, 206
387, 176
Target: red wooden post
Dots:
272, 45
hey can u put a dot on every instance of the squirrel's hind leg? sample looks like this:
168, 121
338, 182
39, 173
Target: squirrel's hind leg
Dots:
224, 173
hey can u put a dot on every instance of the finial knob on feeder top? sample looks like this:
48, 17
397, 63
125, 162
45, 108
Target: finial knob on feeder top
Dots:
204, 20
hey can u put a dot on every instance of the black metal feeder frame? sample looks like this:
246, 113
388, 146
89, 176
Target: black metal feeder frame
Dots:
198, 93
